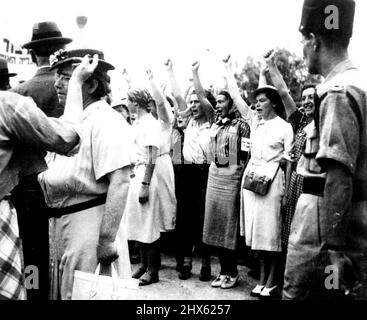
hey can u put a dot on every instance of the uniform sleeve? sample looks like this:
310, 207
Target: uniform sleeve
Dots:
29, 125
111, 145
288, 141
339, 131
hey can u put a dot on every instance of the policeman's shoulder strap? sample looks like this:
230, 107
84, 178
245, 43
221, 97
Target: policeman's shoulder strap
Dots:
350, 92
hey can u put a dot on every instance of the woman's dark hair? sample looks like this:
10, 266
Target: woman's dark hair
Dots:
275, 98
308, 86
103, 86
142, 97
228, 97
315, 95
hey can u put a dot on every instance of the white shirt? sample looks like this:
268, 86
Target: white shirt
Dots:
105, 147
196, 143
271, 141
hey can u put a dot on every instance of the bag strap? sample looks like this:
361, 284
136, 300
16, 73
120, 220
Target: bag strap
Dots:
276, 172
94, 286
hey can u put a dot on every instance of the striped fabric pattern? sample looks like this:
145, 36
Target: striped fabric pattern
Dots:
11, 277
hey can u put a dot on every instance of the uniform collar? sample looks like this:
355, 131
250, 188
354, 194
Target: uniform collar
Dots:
340, 68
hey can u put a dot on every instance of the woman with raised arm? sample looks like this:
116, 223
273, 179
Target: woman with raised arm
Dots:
164, 168
142, 214
190, 214
263, 182
229, 147
299, 121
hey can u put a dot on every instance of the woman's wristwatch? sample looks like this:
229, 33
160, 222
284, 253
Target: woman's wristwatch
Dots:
145, 183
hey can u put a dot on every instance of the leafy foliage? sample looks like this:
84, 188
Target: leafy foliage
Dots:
292, 68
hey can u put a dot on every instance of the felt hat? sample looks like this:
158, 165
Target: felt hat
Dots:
4, 71
46, 33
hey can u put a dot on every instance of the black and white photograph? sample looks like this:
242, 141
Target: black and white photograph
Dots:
195, 152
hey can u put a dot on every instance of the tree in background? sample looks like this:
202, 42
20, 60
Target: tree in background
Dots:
292, 68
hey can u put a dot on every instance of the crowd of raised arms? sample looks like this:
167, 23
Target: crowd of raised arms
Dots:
253, 178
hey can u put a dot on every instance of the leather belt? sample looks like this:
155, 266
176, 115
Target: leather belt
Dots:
59, 212
314, 186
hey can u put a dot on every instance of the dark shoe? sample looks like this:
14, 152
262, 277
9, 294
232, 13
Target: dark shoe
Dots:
205, 274
148, 278
138, 273
185, 273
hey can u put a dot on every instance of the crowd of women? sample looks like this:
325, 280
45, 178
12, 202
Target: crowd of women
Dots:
213, 168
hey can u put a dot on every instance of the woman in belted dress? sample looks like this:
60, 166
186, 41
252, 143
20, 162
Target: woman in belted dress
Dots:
150, 205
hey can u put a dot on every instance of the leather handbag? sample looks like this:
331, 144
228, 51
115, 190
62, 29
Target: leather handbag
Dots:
258, 183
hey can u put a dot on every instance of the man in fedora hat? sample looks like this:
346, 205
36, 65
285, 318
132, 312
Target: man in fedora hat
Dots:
5, 75
88, 191
27, 196
25, 133
327, 250
46, 39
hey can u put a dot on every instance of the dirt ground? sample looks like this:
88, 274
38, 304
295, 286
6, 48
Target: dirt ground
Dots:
170, 287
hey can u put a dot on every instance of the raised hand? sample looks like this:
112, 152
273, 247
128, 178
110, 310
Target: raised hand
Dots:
196, 66
227, 58
150, 74
85, 68
168, 64
126, 75
270, 57
263, 67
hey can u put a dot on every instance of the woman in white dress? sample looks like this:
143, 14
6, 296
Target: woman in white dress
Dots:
271, 143
140, 217
151, 204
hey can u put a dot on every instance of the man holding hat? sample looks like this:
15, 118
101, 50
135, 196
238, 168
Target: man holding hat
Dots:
5, 75
27, 196
327, 251
88, 191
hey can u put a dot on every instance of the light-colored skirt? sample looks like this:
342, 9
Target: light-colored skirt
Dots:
261, 221
222, 207
145, 222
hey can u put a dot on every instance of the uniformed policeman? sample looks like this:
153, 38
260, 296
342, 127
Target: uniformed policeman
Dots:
327, 251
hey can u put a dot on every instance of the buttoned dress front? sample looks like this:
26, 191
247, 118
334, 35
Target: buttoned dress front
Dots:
271, 141
229, 142
144, 222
